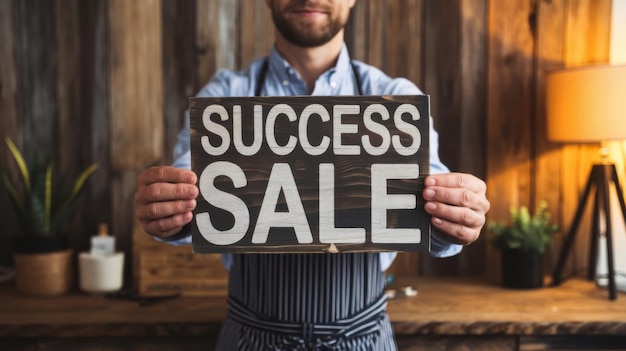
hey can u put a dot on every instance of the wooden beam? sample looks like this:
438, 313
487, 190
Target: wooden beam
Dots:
510, 108
36, 72
550, 23
135, 103
135, 83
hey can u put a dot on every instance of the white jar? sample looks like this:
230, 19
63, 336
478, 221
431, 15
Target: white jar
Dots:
101, 274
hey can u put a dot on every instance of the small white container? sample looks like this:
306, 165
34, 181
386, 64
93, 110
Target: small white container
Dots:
103, 244
101, 274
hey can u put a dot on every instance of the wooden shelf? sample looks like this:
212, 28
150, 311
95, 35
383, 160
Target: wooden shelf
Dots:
472, 307
442, 307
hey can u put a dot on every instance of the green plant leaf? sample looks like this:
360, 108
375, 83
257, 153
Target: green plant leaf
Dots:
44, 205
525, 231
48, 199
78, 185
37, 225
21, 164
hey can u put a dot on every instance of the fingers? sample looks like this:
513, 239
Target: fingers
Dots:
457, 180
166, 174
164, 209
165, 227
457, 189
462, 224
147, 194
457, 204
165, 199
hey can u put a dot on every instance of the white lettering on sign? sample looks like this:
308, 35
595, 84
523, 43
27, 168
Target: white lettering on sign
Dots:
280, 109
303, 130
381, 173
406, 128
227, 201
217, 129
340, 128
281, 180
328, 232
256, 131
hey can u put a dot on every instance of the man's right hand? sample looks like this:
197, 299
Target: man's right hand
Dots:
165, 199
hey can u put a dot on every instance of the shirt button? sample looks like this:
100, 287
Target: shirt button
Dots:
285, 82
333, 84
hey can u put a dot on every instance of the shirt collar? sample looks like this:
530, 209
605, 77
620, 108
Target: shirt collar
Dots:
279, 66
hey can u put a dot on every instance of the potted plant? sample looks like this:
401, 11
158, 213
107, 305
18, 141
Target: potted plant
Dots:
42, 206
523, 242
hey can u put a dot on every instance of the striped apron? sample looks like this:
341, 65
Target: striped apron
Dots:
306, 302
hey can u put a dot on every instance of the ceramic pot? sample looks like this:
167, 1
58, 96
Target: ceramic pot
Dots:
521, 269
99, 273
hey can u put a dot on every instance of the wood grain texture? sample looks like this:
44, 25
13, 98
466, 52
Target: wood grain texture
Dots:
509, 109
123, 187
475, 308
68, 83
456, 343
256, 32
9, 114
163, 270
404, 37
455, 80
135, 83
94, 108
112, 344
179, 67
377, 19
74, 149
547, 166
215, 37
8, 79
37, 105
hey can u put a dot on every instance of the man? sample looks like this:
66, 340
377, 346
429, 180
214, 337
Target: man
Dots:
309, 301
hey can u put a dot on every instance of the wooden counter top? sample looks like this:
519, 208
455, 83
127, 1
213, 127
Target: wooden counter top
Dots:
473, 307
442, 307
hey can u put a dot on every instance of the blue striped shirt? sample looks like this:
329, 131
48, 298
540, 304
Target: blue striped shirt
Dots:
282, 79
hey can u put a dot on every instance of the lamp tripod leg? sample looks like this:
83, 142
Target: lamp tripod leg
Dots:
594, 234
611, 177
557, 276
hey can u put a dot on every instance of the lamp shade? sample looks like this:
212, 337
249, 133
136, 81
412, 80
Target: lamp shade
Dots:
586, 104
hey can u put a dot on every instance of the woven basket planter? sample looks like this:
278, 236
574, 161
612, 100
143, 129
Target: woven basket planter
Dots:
44, 274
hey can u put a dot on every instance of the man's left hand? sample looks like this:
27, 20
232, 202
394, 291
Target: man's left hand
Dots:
457, 204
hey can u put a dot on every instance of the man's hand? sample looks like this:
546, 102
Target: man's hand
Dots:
165, 199
457, 204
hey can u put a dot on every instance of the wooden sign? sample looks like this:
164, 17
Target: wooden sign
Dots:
310, 174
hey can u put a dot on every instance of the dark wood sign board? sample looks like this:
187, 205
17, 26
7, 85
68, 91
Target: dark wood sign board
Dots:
310, 174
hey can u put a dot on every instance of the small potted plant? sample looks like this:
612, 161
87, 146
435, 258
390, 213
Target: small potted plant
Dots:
42, 206
523, 242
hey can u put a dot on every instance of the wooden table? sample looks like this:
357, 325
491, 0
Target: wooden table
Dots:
444, 312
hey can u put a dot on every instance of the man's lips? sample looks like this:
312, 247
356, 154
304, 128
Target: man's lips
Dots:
307, 11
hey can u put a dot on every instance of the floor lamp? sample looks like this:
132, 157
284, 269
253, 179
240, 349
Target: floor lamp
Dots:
588, 105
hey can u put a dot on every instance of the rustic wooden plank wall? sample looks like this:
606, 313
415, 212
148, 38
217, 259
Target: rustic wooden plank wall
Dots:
523, 167
108, 82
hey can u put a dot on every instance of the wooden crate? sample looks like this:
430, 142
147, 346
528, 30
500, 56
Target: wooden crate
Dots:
160, 269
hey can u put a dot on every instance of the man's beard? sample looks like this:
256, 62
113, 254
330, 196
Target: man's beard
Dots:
305, 35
